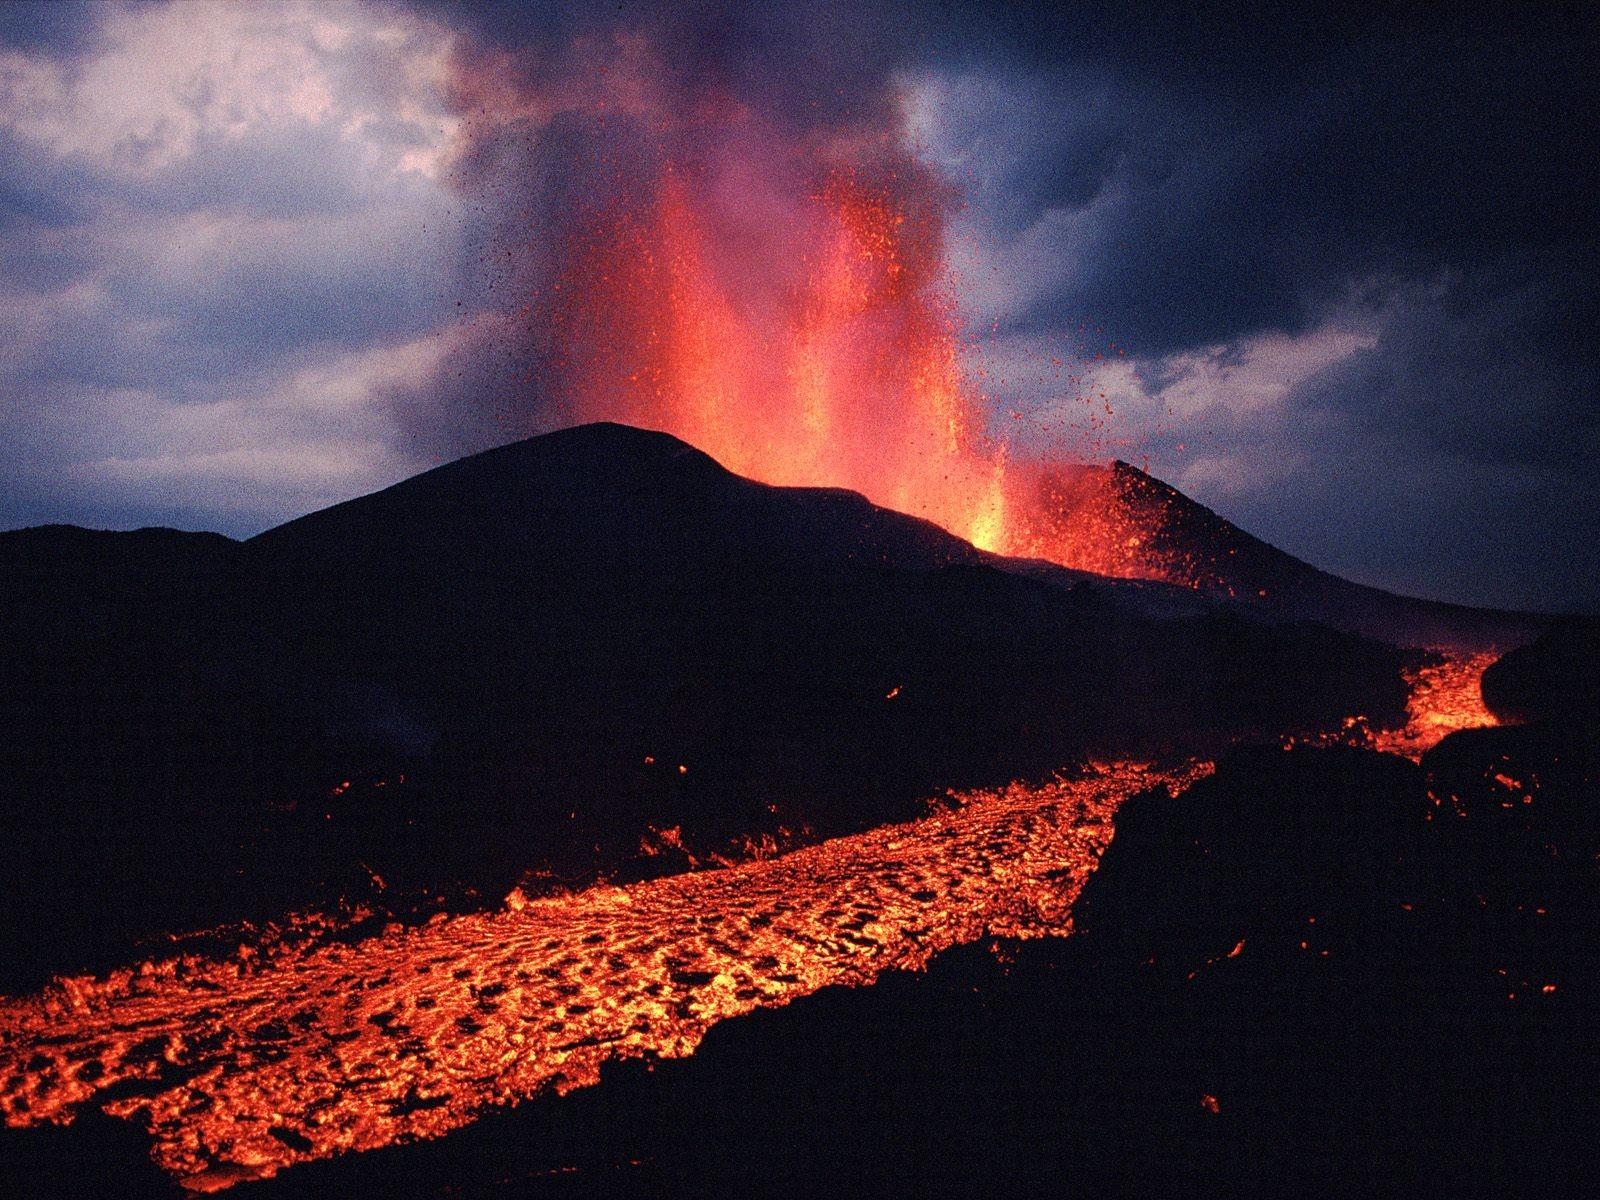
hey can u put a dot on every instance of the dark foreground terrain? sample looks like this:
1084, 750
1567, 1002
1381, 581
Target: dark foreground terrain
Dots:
1317, 972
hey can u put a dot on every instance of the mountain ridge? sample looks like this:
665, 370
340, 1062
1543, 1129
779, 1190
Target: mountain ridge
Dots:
1223, 561
1195, 549
518, 666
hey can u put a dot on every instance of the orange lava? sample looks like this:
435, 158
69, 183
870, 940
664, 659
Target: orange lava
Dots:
841, 371
827, 355
1446, 695
242, 1066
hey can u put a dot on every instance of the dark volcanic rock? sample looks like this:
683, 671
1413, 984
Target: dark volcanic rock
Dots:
97, 1155
1526, 798
1482, 864
1224, 562
1517, 812
1290, 853
1313, 942
1556, 678
527, 659
1199, 1036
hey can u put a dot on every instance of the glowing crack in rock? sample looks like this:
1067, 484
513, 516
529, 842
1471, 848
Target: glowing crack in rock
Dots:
242, 1066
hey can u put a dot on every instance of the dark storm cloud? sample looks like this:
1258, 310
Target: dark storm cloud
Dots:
215, 250
50, 26
1435, 457
37, 193
1261, 164
1261, 160
1434, 179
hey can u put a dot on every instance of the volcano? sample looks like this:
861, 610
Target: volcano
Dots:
531, 663
1185, 543
496, 715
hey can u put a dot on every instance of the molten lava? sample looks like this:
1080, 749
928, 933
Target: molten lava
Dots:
1446, 695
839, 370
292, 1051
244, 1065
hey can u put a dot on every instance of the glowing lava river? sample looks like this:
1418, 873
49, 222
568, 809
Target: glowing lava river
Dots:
245, 1065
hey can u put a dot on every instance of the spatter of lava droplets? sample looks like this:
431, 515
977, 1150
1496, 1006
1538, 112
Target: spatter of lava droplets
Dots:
849, 375
243, 1066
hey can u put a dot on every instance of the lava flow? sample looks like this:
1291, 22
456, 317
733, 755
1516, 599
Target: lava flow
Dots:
1446, 695
242, 1066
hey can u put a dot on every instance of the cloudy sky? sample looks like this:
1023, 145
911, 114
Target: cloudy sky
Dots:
252, 255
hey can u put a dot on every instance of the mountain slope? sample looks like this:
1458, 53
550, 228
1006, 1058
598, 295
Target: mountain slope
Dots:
556, 657
1187, 543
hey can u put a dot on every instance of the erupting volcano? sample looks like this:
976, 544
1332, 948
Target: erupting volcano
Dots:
765, 768
780, 298
842, 371
817, 344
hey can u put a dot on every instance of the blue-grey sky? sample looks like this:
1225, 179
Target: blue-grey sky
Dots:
1348, 264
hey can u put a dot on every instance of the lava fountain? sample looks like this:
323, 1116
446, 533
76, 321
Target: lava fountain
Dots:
845, 373
772, 290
